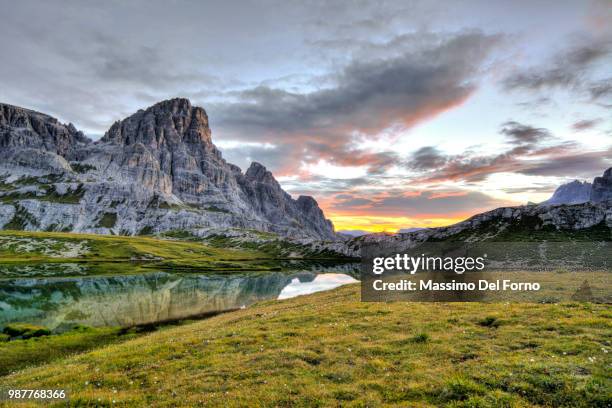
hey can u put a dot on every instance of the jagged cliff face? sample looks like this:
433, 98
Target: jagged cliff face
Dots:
602, 187
154, 171
22, 128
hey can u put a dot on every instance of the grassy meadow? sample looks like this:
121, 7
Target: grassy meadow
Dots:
37, 254
330, 349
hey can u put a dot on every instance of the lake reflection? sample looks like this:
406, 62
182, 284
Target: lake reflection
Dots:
126, 300
324, 281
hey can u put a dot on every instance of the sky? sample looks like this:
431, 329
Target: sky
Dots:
392, 114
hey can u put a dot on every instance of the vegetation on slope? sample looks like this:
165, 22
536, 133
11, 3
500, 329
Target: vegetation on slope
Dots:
330, 349
100, 252
26, 253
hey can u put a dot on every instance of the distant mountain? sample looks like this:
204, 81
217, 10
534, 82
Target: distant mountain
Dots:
407, 230
157, 170
582, 222
577, 192
353, 233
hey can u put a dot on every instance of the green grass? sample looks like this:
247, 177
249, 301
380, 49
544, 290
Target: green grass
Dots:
272, 245
25, 331
330, 349
22, 353
107, 254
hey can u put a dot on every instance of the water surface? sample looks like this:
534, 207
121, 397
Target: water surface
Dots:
131, 299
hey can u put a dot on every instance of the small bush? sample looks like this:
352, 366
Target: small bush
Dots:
420, 338
25, 331
490, 321
460, 389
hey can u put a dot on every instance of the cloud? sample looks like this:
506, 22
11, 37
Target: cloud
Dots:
427, 158
600, 89
568, 69
532, 151
418, 204
367, 97
571, 165
586, 124
519, 133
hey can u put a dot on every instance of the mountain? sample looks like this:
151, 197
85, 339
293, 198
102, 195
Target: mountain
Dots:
352, 233
157, 170
406, 230
581, 222
577, 192
602, 187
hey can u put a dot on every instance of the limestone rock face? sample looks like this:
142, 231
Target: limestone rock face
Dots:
155, 171
602, 187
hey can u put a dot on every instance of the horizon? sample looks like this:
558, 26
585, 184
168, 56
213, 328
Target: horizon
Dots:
420, 117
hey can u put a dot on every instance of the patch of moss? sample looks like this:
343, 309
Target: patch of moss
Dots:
214, 208
108, 220
148, 230
82, 167
21, 219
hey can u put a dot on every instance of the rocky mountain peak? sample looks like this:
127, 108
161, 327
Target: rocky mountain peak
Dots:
165, 125
257, 172
25, 128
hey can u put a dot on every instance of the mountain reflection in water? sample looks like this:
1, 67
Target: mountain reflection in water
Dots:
127, 300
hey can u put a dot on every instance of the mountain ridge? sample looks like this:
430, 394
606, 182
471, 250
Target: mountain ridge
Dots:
156, 170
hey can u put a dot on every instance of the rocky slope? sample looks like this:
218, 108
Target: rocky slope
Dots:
154, 171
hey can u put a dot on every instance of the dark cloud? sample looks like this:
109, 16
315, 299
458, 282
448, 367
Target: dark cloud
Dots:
368, 96
533, 151
601, 89
568, 69
427, 158
579, 165
557, 161
519, 133
586, 124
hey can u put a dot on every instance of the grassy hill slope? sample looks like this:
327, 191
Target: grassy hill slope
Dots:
330, 349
